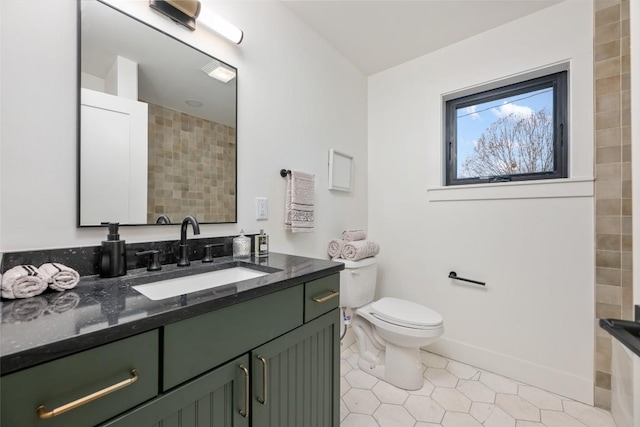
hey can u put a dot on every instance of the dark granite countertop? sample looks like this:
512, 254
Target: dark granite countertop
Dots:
99, 311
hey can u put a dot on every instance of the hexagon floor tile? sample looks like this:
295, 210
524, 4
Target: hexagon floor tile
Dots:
456, 395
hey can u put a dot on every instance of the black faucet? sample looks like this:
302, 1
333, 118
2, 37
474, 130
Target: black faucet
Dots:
184, 248
163, 219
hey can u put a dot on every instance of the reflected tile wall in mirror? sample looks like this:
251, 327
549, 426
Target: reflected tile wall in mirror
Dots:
192, 167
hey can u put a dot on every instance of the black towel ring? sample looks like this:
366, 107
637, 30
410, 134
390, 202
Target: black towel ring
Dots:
284, 172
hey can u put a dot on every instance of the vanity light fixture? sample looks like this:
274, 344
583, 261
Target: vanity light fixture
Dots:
218, 71
185, 12
220, 25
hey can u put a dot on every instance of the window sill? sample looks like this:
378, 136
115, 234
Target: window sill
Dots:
543, 189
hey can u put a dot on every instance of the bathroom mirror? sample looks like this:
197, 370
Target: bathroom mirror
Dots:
157, 132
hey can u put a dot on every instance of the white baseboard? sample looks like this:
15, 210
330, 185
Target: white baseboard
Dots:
553, 380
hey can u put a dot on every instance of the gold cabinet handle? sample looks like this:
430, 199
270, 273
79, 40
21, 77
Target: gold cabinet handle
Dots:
245, 413
43, 414
263, 400
333, 294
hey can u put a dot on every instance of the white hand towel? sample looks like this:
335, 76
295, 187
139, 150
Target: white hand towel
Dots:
354, 251
23, 281
61, 277
335, 248
299, 203
353, 235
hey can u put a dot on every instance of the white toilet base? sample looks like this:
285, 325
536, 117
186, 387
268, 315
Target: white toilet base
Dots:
402, 367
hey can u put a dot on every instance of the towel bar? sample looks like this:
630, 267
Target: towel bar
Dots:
453, 275
284, 172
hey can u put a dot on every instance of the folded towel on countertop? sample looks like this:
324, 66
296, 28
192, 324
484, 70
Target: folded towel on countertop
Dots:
353, 235
335, 248
59, 276
354, 251
299, 203
23, 281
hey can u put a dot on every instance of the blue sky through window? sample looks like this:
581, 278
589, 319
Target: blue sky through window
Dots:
473, 120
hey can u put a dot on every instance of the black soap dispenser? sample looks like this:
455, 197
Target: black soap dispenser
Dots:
113, 262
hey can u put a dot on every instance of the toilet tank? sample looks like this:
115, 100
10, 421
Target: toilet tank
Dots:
358, 282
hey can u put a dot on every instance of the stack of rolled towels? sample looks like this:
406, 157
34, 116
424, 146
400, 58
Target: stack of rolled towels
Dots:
25, 281
353, 246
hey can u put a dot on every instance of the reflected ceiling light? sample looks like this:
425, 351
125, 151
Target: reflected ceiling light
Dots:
185, 12
218, 71
193, 103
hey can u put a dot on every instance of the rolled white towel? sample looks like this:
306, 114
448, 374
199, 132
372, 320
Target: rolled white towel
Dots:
354, 235
60, 277
354, 251
335, 248
23, 281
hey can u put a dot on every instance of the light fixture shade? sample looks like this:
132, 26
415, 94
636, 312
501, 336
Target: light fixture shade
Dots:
220, 25
183, 12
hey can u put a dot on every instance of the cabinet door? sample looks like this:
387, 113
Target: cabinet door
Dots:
296, 377
219, 398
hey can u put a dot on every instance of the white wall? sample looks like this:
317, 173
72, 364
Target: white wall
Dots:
534, 320
297, 98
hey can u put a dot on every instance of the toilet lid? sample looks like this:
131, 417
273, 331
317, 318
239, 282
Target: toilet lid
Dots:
404, 312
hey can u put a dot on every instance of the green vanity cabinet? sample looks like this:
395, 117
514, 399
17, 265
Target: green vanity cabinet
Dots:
270, 361
296, 377
56, 384
216, 399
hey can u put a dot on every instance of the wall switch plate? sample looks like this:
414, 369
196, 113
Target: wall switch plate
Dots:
262, 208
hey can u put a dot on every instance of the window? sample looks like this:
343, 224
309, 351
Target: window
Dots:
513, 133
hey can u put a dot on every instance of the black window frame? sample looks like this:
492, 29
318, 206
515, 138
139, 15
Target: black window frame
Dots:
559, 81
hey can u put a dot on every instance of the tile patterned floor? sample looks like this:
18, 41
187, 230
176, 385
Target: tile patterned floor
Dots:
455, 395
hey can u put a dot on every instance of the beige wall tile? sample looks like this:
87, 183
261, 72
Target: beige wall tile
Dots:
602, 398
609, 294
608, 242
603, 380
607, 259
608, 155
608, 225
626, 225
608, 172
607, 103
607, 15
607, 50
607, 85
626, 207
608, 189
626, 260
608, 207
606, 311
608, 137
608, 67
607, 33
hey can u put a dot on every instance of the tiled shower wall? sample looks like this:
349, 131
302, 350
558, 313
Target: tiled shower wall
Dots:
192, 167
613, 241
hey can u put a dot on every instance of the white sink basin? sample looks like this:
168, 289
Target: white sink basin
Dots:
197, 282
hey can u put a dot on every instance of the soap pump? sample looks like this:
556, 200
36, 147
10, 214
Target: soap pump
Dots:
113, 262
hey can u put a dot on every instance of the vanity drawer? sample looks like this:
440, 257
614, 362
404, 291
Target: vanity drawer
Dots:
194, 346
58, 383
321, 296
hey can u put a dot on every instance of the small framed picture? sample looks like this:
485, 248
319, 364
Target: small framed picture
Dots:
340, 171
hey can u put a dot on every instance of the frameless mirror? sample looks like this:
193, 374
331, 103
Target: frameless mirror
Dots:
157, 137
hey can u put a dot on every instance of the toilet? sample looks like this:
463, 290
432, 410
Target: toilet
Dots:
390, 331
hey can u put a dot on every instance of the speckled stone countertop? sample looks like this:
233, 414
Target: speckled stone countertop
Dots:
99, 311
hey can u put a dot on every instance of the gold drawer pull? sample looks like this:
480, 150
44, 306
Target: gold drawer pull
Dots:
245, 412
43, 414
333, 294
263, 399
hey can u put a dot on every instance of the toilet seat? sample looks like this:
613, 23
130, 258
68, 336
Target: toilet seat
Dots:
405, 314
